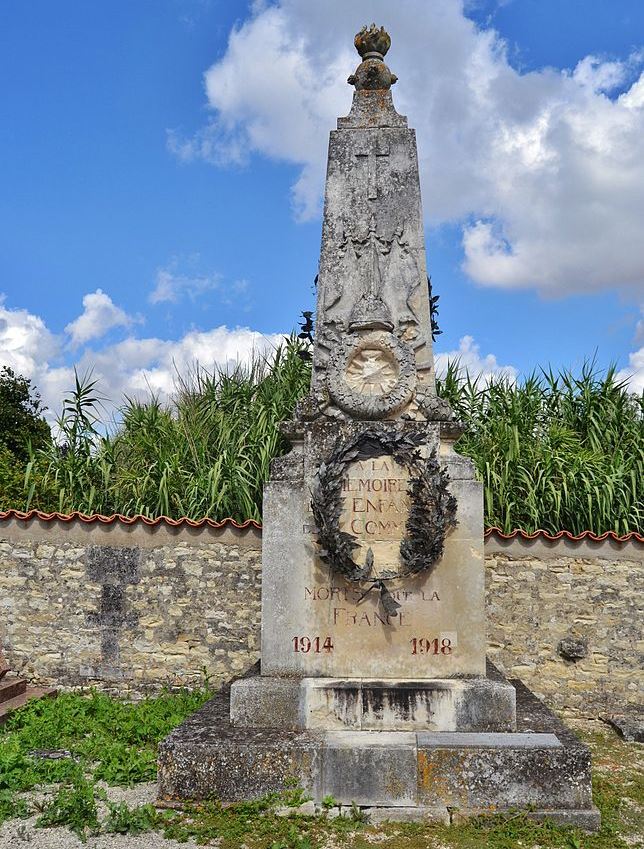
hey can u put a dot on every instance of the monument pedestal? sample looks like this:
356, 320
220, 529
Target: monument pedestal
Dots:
373, 685
468, 705
541, 768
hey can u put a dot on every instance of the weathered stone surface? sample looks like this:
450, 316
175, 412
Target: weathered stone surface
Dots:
207, 757
629, 726
258, 702
543, 768
538, 594
363, 704
4, 666
573, 648
377, 816
129, 612
370, 768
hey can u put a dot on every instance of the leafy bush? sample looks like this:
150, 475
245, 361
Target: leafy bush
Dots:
21, 415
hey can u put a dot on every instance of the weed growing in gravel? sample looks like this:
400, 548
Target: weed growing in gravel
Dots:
74, 806
122, 819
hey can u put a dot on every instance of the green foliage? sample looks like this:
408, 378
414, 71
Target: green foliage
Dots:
122, 819
109, 739
206, 454
125, 765
12, 479
93, 727
74, 806
556, 451
21, 420
11, 807
22, 431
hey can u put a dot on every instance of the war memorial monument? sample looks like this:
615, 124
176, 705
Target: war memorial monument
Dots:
373, 686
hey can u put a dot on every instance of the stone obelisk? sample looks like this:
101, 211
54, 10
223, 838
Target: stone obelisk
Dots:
372, 563
373, 685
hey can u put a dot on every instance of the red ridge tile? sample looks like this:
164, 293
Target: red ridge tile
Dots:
251, 523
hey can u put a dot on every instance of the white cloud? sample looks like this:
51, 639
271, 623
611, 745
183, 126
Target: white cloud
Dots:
469, 358
132, 367
172, 284
25, 341
634, 374
543, 170
99, 315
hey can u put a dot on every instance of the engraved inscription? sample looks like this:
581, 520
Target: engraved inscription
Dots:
375, 510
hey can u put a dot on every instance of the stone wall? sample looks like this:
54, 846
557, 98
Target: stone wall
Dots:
128, 607
133, 607
566, 618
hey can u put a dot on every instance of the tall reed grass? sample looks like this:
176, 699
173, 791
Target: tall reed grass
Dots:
555, 450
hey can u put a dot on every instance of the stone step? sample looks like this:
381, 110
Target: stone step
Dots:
467, 705
11, 687
540, 768
8, 707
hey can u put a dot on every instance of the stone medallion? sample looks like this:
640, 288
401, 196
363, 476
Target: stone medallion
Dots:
372, 375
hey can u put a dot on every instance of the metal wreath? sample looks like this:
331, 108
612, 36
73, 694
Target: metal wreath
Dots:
432, 512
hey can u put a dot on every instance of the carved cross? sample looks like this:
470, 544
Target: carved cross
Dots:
369, 156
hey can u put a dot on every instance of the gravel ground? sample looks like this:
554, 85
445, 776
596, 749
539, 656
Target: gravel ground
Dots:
23, 834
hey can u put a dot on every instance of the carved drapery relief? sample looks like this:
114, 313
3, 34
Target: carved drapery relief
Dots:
377, 277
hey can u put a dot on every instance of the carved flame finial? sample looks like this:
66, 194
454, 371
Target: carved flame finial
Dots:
371, 40
372, 44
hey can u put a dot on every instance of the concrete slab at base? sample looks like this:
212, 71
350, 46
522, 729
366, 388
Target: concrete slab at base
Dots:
541, 768
376, 816
468, 705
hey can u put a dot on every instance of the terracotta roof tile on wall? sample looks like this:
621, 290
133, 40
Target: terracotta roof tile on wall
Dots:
251, 523
95, 518
584, 535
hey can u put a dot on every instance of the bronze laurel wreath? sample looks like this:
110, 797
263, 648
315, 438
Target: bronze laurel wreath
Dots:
432, 512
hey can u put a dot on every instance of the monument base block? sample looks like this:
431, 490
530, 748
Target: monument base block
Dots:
470, 704
541, 768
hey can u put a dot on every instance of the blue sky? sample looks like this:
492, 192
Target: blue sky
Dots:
162, 162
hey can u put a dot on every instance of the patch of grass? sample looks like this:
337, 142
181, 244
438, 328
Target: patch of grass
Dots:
114, 740
254, 825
